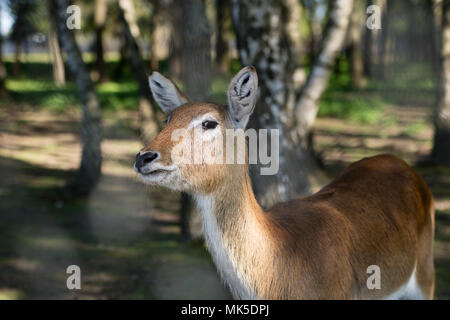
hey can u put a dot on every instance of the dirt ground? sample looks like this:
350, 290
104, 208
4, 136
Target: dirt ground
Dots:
125, 237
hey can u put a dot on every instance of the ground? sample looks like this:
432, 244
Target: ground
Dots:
125, 237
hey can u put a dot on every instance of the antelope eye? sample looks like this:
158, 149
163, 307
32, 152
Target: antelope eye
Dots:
206, 125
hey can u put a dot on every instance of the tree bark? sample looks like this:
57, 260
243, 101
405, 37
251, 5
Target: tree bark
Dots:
148, 124
100, 11
196, 50
175, 60
3, 91
18, 53
355, 36
196, 77
441, 149
89, 171
292, 26
265, 44
385, 40
369, 47
154, 59
306, 106
223, 36
55, 52
436, 8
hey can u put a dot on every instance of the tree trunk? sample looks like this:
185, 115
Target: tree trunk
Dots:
441, 149
369, 47
3, 91
315, 29
355, 36
17, 54
148, 124
436, 8
223, 36
100, 11
266, 45
196, 50
306, 106
154, 59
55, 52
175, 63
89, 171
196, 76
292, 25
385, 39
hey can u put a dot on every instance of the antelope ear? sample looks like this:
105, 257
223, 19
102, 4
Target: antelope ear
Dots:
242, 93
166, 93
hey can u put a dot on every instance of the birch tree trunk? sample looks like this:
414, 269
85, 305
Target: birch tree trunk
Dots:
148, 124
265, 44
59, 75
306, 106
441, 149
100, 11
89, 171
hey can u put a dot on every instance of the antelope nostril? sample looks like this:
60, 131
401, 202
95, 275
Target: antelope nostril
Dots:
149, 157
146, 158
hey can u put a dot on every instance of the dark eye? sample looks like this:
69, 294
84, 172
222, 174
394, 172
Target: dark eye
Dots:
209, 124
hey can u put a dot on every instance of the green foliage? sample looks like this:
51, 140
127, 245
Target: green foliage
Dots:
343, 102
365, 111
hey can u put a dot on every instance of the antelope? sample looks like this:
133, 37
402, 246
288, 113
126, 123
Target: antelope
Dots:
378, 211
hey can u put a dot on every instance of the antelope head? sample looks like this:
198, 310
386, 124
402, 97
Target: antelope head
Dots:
176, 157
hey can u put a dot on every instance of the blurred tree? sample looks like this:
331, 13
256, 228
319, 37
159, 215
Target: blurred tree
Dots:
314, 25
265, 43
89, 171
148, 124
355, 50
196, 77
436, 11
154, 23
441, 149
195, 49
306, 106
3, 91
386, 39
100, 11
176, 39
223, 35
21, 10
292, 25
55, 51
369, 46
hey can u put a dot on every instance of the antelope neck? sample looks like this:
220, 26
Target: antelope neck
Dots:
233, 225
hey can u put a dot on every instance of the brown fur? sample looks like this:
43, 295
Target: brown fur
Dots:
377, 212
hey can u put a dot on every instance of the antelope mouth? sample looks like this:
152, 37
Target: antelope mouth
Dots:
156, 172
